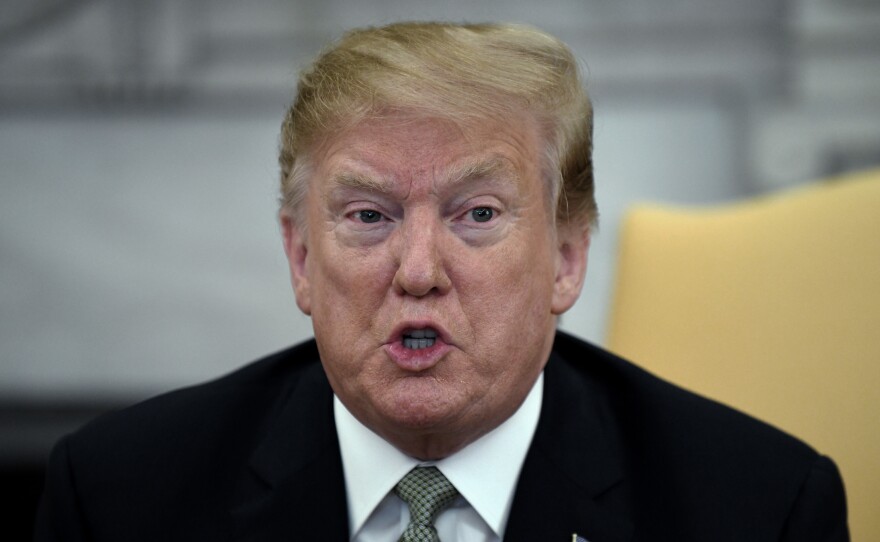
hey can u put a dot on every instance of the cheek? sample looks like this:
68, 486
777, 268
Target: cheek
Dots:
346, 281
509, 292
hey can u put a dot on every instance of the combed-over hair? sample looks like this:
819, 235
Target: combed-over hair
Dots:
459, 72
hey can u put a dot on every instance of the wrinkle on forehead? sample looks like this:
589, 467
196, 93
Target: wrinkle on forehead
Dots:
469, 170
408, 155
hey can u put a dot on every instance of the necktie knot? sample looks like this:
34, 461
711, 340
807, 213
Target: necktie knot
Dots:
427, 492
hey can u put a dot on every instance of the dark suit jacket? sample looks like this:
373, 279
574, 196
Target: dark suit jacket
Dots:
618, 455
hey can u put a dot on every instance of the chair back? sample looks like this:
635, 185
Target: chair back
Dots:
771, 306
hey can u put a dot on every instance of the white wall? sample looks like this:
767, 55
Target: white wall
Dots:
138, 253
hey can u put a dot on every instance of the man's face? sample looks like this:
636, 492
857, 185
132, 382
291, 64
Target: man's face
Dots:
433, 272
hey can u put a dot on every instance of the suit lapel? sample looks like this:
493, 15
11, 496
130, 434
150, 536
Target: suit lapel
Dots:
295, 487
572, 478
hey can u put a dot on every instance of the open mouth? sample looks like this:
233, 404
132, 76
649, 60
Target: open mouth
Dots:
417, 339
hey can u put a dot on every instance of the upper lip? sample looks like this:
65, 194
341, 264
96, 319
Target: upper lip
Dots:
403, 328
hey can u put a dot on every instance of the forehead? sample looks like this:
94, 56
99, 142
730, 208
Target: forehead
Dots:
407, 148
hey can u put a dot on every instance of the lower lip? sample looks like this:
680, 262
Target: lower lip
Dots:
416, 360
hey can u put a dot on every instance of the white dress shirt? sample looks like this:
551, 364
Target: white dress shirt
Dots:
485, 473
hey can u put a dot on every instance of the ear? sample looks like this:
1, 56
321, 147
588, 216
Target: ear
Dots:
297, 251
573, 244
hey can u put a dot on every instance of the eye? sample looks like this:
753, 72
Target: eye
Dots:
368, 216
482, 214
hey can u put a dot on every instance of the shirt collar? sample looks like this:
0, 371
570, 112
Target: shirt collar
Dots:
485, 472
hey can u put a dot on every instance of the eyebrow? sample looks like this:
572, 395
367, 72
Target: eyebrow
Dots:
460, 174
479, 169
362, 182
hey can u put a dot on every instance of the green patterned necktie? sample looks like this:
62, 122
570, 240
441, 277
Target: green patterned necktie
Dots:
427, 492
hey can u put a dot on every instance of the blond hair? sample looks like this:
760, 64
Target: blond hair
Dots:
458, 72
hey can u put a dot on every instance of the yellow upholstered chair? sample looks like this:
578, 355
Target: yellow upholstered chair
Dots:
771, 306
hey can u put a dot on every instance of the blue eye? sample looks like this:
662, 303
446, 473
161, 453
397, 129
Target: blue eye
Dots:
369, 216
482, 214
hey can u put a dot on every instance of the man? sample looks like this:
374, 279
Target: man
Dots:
437, 203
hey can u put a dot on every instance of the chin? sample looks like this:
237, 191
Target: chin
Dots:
420, 417
421, 409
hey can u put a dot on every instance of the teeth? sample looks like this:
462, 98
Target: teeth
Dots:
419, 338
417, 344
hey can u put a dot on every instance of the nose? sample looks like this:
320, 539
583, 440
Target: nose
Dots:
421, 267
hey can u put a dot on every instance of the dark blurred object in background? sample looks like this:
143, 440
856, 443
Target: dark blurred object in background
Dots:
21, 487
28, 429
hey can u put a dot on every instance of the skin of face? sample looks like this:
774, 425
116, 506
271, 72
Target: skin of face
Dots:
415, 223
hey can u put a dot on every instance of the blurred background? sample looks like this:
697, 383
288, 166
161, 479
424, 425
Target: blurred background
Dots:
139, 249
